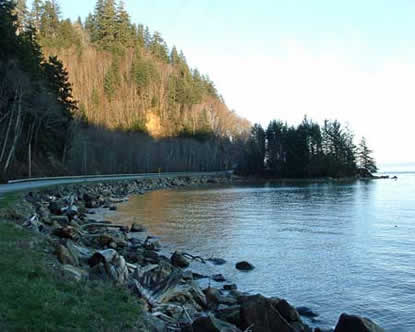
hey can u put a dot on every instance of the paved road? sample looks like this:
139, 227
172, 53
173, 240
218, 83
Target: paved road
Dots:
44, 182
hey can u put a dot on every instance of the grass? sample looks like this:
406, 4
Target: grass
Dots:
35, 297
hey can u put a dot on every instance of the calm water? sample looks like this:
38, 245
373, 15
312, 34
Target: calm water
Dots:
333, 247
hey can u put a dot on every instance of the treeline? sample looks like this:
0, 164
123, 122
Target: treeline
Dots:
100, 151
305, 151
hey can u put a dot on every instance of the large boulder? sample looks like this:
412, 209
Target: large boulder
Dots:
57, 207
230, 314
261, 315
178, 259
244, 266
349, 323
287, 310
137, 228
65, 256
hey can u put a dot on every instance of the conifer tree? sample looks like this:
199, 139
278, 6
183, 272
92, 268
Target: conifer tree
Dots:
158, 47
147, 37
174, 56
36, 14
22, 15
123, 25
365, 159
50, 21
107, 25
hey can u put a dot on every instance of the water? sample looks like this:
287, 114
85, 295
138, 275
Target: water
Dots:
334, 247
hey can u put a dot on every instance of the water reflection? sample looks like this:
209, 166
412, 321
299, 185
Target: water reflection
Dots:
332, 246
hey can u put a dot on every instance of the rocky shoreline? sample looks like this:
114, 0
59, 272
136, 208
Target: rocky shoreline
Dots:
89, 248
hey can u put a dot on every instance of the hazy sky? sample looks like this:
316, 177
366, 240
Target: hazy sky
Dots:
351, 60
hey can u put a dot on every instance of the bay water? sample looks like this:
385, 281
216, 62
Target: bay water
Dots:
331, 246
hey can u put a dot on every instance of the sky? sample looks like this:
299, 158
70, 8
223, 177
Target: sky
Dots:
352, 60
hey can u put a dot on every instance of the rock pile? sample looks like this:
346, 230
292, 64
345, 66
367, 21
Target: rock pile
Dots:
90, 249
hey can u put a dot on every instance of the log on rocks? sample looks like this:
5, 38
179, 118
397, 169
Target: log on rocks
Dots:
66, 232
114, 264
161, 284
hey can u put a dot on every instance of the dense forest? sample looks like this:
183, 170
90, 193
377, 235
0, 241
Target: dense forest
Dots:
108, 96
308, 150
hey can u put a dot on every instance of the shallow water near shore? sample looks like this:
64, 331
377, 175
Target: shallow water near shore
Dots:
334, 247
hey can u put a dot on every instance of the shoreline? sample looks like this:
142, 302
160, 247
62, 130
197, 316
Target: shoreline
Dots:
89, 247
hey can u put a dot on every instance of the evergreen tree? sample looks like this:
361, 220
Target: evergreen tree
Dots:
158, 47
91, 26
58, 78
112, 78
366, 161
107, 25
174, 56
22, 15
36, 14
253, 161
276, 153
49, 22
140, 36
147, 37
124, 29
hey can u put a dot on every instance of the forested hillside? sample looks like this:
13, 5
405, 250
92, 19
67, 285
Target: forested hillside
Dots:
107, 95
126, 77
133, 104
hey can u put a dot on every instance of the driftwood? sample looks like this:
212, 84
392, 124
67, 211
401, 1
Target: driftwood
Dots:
192, 257
85, 234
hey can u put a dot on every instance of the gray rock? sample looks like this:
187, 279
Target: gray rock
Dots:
351, 323
218, 278
261, 315
230, 287
306, 312
212, 324
287, 311
177, 259
137, 228
65, 256
151, 256
56, 207
244, 266
230, 314
217, 261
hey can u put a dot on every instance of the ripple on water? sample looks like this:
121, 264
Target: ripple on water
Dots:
333, 247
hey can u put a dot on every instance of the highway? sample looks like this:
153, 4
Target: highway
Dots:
27, 184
